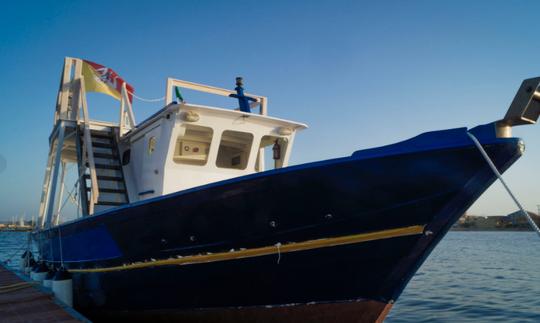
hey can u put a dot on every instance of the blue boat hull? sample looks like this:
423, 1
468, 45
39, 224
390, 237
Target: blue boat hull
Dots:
337, 239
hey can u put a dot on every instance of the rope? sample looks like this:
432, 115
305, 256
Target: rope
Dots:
496, 171
146, 100
61, 255
278, 245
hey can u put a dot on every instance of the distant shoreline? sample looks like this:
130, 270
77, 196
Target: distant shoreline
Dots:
491, 230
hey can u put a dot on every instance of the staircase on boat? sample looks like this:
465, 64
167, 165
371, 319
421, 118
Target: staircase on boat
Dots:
91, 145
111, 185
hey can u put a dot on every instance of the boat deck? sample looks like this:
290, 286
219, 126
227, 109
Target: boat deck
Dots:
25, 301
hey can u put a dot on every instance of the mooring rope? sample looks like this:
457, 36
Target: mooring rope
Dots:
61, 254
499, 176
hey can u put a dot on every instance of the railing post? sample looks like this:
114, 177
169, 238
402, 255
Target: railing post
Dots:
89, 151
56, 217
46, 189
122, 122
54, 179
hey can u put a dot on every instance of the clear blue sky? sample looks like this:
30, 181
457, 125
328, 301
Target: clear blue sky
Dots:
361, 74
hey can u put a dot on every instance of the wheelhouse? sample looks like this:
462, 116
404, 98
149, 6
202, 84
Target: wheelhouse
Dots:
187, 145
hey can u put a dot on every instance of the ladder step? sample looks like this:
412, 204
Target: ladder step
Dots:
101, 145
104, 166
106, 156
110, 203
109, 190
106, 178
98, 134
101, 135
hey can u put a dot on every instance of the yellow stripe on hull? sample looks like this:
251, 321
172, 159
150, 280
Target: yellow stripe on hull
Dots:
264, 251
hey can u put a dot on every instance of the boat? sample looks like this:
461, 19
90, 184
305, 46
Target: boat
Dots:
180, 217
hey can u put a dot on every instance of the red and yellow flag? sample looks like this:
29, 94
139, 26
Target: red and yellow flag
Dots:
98, 78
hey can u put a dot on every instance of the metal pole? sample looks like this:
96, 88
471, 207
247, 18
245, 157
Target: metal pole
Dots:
61, 194
54, 180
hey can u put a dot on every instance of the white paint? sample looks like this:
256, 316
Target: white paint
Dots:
63, 290
154, 170
47, 283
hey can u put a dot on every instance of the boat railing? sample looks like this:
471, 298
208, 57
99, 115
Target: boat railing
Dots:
88, 151
72, 117
261, 101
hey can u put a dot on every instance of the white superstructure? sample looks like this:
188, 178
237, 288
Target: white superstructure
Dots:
188, 145
179, 147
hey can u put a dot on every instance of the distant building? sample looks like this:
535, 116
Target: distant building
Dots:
513, 221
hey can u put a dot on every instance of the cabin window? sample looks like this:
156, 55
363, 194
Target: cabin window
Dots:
234, 149
192, 147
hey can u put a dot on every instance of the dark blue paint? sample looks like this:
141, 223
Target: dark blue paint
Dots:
91, 244
428, 180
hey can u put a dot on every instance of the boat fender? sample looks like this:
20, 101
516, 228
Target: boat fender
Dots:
47, 281
31, 264
40, 272
62, 286
33, 270
25, 259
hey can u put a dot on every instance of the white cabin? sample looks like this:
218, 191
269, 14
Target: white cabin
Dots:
187, 145
179, 147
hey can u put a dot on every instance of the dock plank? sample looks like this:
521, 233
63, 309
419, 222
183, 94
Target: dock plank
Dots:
22, 301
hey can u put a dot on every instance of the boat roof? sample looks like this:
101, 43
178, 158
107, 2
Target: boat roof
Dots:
175, 107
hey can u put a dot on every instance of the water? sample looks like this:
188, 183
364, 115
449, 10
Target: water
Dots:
12, 245
469, 277
476, 277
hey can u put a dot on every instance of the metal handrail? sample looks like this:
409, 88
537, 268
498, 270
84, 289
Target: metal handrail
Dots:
88, 147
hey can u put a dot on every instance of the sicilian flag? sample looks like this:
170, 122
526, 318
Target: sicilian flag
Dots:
98, 78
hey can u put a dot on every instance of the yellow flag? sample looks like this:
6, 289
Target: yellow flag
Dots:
98, 78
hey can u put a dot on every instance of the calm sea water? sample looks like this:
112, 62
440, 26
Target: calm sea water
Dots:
469, 277
476, 277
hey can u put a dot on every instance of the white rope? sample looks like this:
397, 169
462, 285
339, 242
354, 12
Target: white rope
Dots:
68, 198
496, 171
278, 245
146, 100
61, 254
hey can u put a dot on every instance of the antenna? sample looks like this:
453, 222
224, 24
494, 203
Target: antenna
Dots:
243, 100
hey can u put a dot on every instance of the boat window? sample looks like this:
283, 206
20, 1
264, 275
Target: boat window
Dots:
193, 146
234, 149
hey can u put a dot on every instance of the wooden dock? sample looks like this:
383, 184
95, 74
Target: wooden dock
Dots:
22, 300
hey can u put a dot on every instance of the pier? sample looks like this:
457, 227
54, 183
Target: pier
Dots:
22, 300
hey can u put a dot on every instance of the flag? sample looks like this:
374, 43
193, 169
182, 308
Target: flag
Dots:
98, 78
